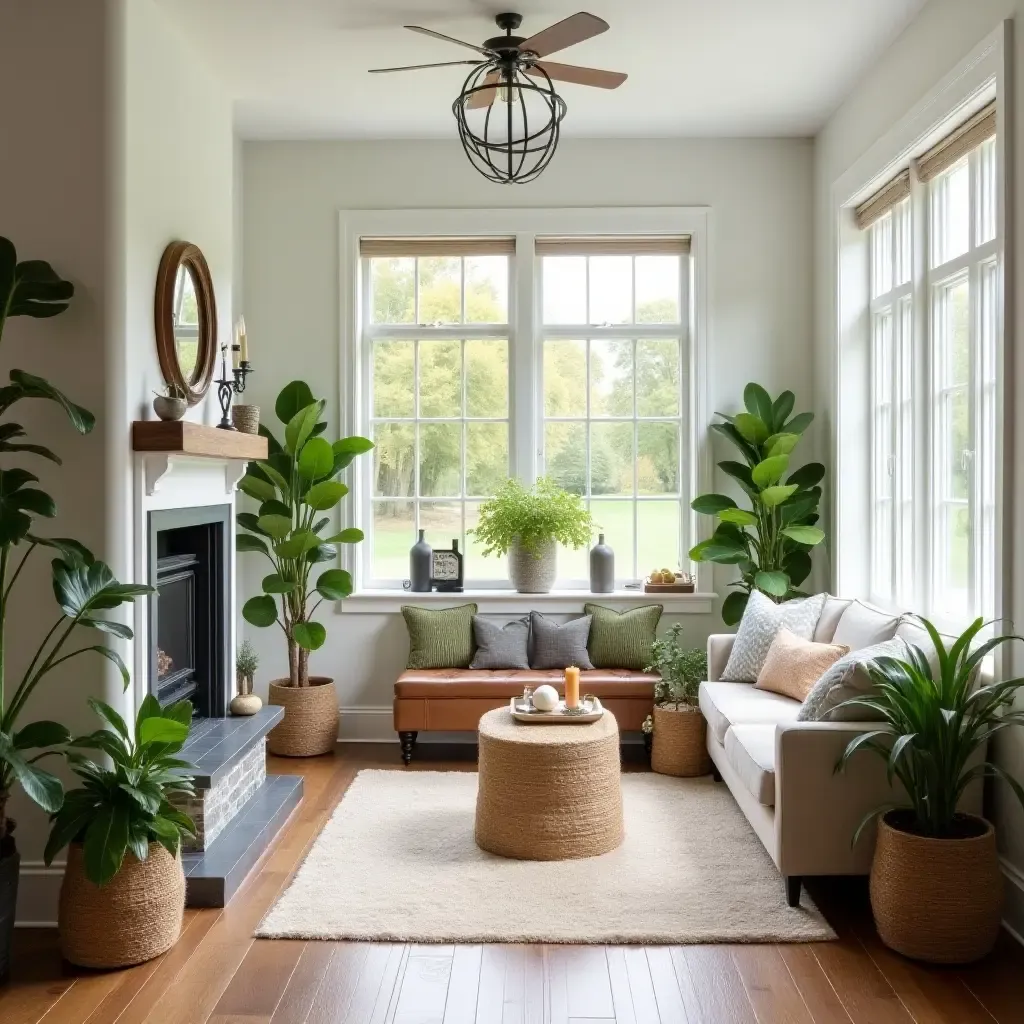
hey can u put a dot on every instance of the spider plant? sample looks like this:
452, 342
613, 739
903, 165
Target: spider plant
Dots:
936, 721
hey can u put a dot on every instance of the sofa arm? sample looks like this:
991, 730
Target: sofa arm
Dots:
719, 648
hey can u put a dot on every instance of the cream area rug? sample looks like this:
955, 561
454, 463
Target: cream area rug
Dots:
397, 863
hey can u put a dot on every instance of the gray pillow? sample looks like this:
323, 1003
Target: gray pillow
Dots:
847, 679
555, 646
501, 646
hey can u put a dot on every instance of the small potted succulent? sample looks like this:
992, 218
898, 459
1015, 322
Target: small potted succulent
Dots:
679, 730
245, 702
171, 403
528, 525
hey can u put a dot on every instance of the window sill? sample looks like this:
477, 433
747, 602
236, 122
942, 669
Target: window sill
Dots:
496, 602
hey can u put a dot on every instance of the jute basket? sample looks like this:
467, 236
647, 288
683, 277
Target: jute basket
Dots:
680, 742
246, 418
310, 723
133, 918
533, 572
938, 900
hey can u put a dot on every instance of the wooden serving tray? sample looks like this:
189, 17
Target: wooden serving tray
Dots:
679, 587
556, 717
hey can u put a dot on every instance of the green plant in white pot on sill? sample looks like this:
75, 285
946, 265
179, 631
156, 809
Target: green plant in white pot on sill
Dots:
528, 524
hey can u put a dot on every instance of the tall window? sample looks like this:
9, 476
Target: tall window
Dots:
567, 357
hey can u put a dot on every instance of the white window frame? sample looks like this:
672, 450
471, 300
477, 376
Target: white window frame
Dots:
525, 333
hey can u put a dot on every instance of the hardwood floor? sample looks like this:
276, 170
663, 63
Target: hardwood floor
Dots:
218, 973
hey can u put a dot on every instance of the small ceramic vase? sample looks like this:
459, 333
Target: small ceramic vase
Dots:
168, 408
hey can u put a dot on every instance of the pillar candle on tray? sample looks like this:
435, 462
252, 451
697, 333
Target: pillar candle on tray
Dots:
572, 687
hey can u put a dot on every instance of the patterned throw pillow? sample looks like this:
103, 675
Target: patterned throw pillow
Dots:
440, 637
555, 646
793, 665
501, 647
622, 639
762, 619
847, 679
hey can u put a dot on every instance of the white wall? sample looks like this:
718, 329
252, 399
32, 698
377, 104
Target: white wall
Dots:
942, 36
760, 297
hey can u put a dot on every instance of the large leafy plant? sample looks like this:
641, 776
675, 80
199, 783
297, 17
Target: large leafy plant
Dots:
84, 588
681, 669
770, 542
127, 806
295, 485
935, 723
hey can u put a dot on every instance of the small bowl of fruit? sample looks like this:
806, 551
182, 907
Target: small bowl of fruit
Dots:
666, 580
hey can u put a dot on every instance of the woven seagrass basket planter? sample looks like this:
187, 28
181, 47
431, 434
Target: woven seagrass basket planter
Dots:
310, 723
680, 742
134, 917
938, 900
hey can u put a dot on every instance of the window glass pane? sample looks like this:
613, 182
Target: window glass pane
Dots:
487, 378
881, 255
657, 377
615, 520
440, 459
442, 523
392, 290
393, 534
986, 197
657, 289
611, 377
486, 457
951, 214
495, 567
440, 378
393, 460
440, 279
657, 463
565, 378
611, 458
953, 596
565, 455
574, 563
956, 443
954, 311
903, 242
565, 289
393, 378
486, 289
657, 536
611, 289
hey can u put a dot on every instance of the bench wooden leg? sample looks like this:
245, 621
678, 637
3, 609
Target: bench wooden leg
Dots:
794, 883
408, 741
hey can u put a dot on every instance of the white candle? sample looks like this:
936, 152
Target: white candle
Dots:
242, 340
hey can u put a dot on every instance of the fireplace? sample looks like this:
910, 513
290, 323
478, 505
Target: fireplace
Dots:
189, 630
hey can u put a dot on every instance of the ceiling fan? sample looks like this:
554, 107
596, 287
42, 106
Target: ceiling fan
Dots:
517, 146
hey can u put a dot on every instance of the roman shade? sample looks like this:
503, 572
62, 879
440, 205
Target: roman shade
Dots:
613, 245
437, 246
957, 144
878, 205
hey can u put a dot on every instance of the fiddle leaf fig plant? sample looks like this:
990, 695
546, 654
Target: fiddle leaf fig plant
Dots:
770, 542
295, 485
84, 587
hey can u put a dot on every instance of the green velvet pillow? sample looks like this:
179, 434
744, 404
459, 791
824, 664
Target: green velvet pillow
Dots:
622, 639
440, 637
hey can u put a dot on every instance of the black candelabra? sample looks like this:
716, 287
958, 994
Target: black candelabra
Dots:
227, 387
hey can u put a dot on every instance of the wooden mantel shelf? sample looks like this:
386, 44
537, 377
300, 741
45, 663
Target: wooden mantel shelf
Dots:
183, 437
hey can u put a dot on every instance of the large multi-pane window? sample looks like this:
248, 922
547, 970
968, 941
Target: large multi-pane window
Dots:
490, 357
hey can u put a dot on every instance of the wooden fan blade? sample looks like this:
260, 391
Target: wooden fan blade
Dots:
581, 76
451, 39
485, 97
567, 32
416, 67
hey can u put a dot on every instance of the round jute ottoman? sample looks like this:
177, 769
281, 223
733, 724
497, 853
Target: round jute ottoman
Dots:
548, 792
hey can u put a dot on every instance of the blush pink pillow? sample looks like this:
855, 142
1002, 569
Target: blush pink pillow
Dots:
794, 665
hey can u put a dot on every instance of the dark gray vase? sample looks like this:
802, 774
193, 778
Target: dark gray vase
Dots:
419, 565
602, 567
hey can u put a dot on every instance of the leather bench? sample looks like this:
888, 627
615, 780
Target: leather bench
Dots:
453, 699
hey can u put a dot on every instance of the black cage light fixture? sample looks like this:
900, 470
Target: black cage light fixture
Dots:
508, 112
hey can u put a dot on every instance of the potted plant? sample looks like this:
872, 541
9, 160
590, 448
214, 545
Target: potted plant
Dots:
295, 485
171, 403
770, 542
679, 730
528, 524
245, 702
123, 895
84, 587
936, 887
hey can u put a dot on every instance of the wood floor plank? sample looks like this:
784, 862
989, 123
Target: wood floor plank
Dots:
773, 996
335, 993
863, 990
385, 1013
646, 1006
424, 990
618, 977
535, 1003
677, 1001
558, 984
38, 978
261, 979
491, 987
513, 1001
304, 983
996, 981
80, 1001
817, 992
464, 985
587, 984
717, 984
375, 984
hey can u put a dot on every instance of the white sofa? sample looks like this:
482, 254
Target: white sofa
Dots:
781, 771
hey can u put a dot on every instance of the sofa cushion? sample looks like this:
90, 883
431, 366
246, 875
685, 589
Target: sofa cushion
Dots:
762, 619
445, 683
845, 680
825, 630
505, 646
726, 704
622, 639
440, 637
793, 665
750, 749
863, 625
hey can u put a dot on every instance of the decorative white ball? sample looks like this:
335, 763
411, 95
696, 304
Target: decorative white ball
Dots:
545, 698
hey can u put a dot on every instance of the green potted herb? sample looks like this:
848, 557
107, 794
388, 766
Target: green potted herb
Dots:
679, 742
245, 702
295, 485
528, 524
123, 894
770, 543
936, 887
84, 588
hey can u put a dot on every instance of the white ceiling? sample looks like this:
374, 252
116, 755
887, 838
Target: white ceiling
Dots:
297, 68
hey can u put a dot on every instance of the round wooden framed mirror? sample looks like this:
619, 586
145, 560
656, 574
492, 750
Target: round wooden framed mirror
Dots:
186, 320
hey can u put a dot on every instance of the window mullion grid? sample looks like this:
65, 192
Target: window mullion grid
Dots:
417, 524
636, 456
463, 482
